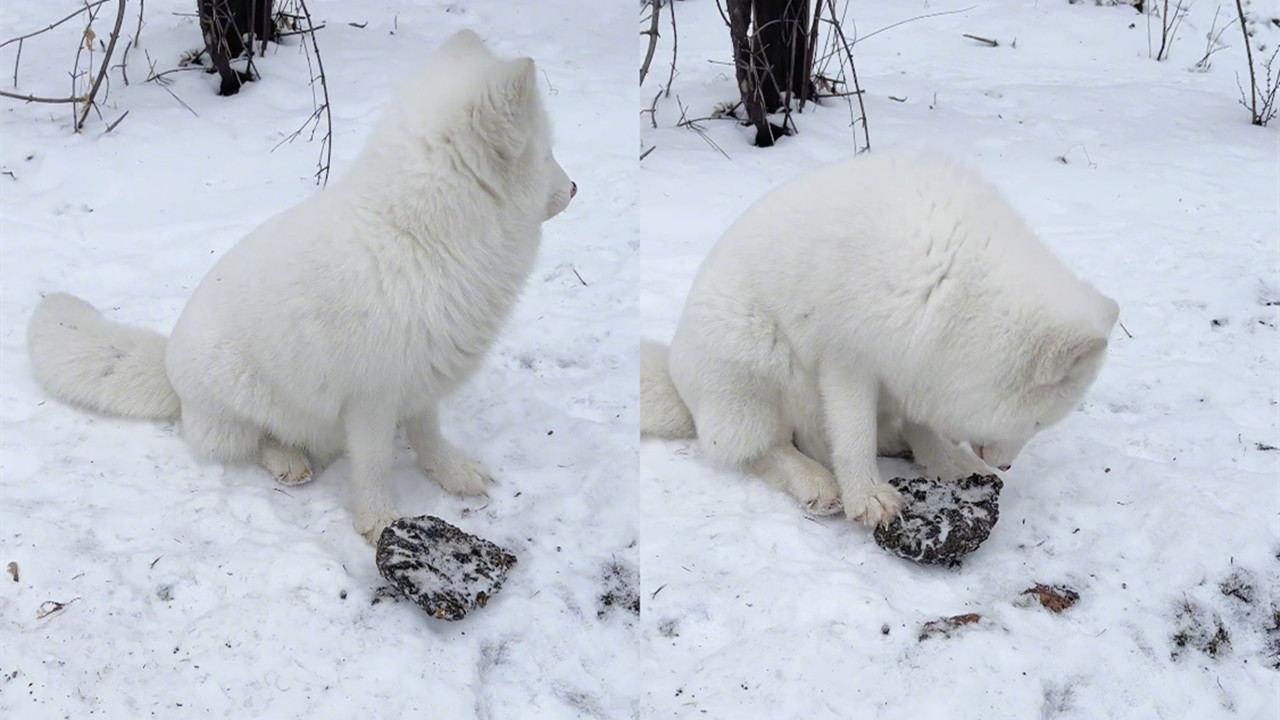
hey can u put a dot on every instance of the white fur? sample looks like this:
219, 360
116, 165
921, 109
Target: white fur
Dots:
877, 304
357, 309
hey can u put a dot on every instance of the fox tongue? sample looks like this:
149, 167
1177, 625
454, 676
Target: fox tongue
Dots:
573, 189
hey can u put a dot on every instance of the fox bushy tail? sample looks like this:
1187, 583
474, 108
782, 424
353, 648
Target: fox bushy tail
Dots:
662, 412
84, 359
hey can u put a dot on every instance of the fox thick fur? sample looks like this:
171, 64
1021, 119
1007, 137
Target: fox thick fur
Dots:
880, 304
357, 309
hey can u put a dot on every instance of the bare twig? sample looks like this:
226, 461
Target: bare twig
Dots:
1169, 23
652, 32
34, 99
926, 16
321, 109
1253, 77
1164, 31
106, 65
119, 120
984, 41
304, 31
158, 77
675, 46
645, 154
137, 33
124, 61
16, 62
853, 75
20, 38
653, 110
1261, 115
694, 126
1213, 40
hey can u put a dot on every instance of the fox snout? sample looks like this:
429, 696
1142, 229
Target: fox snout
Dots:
573, 189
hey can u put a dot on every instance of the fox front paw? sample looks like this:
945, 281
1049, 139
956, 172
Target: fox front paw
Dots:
877, 504
459, 474
287, 465
371, 525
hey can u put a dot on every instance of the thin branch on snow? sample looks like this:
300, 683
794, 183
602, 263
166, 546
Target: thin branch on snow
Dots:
1258, 115
105, 66
652, 32
20, 38
853, 76
320, 109
34, 99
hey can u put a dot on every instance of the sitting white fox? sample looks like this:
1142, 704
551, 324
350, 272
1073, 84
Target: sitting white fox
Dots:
878, 304
354, 311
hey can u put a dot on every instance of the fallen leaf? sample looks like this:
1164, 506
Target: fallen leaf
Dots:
944, 626
1054, 597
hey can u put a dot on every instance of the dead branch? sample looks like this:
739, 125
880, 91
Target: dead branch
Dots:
119, 120
34, 99
159, 79
853, 75
1261, 115
1169, 28
105, 66
20, 38
675, 47
137, 33
1213, 40
1253, 76
320, 109
653, 110
694, 126
304, 31
652, 32
926, 16
1164, 31
984, 41
86, 43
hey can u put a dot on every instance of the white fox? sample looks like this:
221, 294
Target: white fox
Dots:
355, 310
879, 304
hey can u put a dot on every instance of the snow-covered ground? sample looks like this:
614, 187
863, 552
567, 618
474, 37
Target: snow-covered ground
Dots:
193, 590
1156, 502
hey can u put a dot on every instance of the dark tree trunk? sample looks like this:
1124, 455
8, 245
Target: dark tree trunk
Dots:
781, 41
230, 28
772, 58
747, 71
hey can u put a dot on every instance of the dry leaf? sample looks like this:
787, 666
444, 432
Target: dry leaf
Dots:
1054, 597
944, 626
13, 571
89, 37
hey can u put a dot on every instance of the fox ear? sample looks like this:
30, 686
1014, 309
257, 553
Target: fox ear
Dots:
514, 87
1057, 356
465, 43
505, 114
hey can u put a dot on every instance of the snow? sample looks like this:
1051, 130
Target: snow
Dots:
194, 590
190, 589
1147, 179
